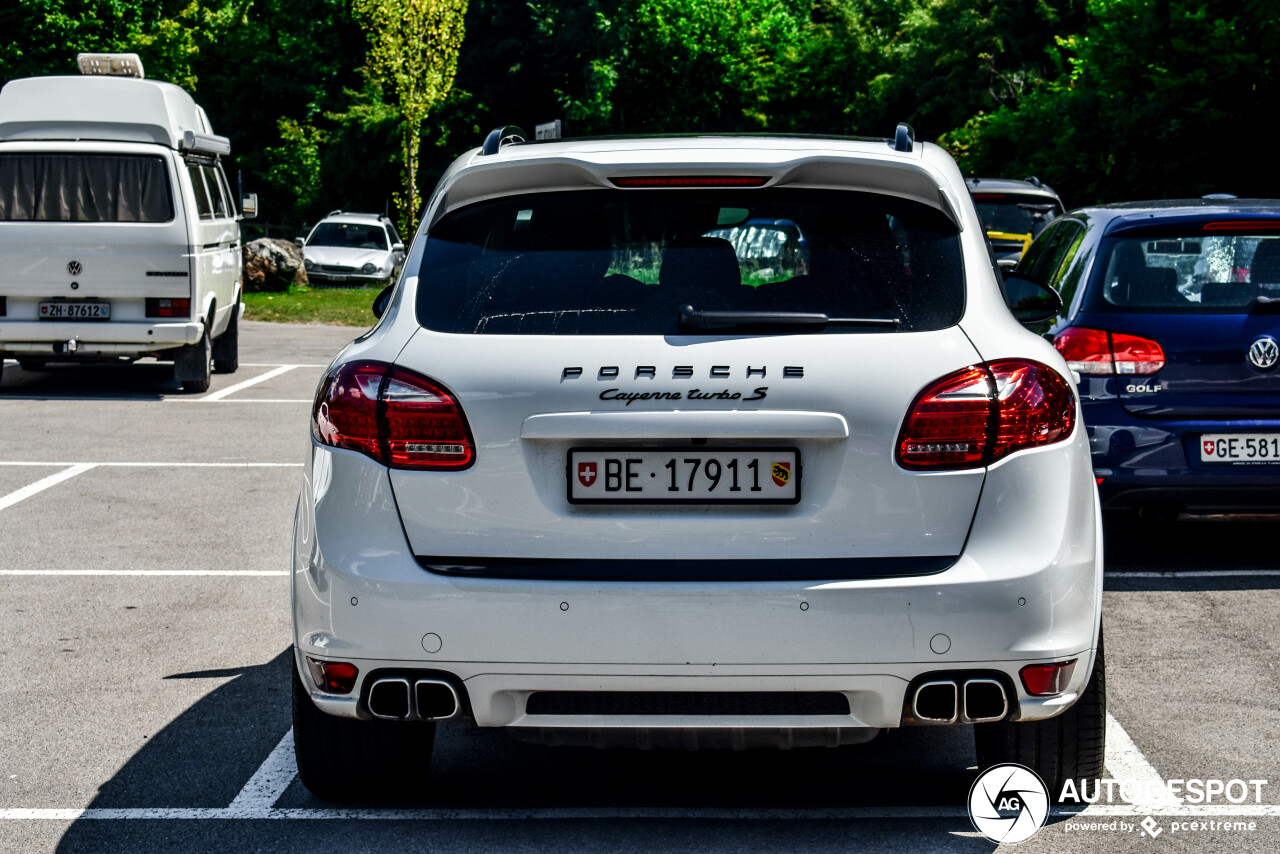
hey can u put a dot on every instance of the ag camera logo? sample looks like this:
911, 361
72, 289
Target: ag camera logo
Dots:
1008, 803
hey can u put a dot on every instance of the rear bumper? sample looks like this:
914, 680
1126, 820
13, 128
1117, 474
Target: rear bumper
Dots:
1144, 461
1027, 589
106, 337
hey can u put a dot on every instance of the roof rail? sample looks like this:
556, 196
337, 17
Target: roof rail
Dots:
498, 137
903, 138
334, 213
1033, 181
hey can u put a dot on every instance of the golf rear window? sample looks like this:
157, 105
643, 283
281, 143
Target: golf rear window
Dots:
1190, 272
623, 262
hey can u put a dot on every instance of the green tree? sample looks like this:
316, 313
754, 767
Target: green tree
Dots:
414, 47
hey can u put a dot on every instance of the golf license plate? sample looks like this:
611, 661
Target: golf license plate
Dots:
684, 476
1241, 449
75, 311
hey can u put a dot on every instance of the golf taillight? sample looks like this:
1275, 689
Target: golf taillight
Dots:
983, 413
165, 307
1046, 680
1093, 352
399, 418
333, 677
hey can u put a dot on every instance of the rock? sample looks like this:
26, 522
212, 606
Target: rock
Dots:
273, 265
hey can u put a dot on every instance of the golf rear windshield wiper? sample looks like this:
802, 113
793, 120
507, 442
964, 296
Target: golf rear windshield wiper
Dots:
692, 320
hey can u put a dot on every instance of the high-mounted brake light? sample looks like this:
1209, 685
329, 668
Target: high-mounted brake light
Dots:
986, 412
1243, 225
1046, 680
981, 196
1093, 352
693, 181
399, 418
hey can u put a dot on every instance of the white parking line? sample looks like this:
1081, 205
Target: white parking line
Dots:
44, 483
270, 780
240, 386
50, 464
1197, 573
253, 573
1131, 770
595, 813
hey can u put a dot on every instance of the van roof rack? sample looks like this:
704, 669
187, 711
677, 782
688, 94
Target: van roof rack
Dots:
505, 135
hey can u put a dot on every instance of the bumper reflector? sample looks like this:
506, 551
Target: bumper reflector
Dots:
1047, 680
333, 677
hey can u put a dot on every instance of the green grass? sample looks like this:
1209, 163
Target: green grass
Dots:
333, 306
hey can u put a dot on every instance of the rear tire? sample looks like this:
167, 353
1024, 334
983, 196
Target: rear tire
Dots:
344, 759
1067, 747
193, 366
226, 349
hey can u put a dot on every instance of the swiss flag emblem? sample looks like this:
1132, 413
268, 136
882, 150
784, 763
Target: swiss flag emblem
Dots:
1208, 447
586, 473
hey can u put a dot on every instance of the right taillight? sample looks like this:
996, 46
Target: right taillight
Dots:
1093, 352
983, 413
397, 417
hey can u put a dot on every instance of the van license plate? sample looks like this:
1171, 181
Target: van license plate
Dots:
684, 476
1241, 449
75, 311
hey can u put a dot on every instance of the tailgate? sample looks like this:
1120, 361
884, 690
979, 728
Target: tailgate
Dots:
836, 401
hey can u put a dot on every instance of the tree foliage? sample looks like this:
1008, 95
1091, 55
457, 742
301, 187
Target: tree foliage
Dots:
413, 50
1106, 99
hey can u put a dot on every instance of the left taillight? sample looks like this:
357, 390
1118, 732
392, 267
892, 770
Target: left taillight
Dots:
397, 417
983, 413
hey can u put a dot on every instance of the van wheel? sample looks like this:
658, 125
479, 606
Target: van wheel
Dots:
226, 349
344, 759
193, 365
1067, 747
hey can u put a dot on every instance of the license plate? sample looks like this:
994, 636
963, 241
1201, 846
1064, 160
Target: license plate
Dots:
75, 311
1249, 449
684, 476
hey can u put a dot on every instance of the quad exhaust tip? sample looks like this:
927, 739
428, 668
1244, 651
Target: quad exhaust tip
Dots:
970, 701
396, 699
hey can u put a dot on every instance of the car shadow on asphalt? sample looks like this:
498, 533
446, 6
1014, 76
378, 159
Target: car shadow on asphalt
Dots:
204, 757
1226, 552
146, 380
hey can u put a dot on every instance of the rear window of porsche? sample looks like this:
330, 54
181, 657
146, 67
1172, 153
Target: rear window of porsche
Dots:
624, 262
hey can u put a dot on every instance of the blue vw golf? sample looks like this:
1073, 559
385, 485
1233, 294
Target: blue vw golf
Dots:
1171, 318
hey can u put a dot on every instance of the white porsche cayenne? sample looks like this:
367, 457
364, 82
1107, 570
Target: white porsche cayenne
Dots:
612, 469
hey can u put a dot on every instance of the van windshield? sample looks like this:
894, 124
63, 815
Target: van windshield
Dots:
84, 188
624, 262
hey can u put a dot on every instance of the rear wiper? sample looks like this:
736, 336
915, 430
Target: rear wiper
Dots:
692, 320
1265, 305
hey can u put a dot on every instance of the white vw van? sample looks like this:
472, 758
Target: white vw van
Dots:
119, 234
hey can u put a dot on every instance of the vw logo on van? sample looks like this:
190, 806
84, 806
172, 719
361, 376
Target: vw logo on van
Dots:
74, 268
1264, 353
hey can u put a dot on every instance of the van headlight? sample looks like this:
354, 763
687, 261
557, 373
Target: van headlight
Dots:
369, 268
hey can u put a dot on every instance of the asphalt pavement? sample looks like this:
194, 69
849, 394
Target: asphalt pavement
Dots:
144, 636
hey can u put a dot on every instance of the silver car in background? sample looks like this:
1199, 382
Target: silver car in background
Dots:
352, 248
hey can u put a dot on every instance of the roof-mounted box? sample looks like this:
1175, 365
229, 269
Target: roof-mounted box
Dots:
114, 64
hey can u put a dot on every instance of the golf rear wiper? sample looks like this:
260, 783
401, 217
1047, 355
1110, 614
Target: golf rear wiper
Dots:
692, 320
1265, 305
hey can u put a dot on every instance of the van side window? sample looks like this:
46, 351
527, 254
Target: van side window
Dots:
203, 206
215, 193
232, 204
